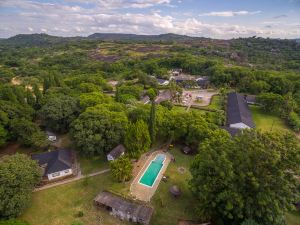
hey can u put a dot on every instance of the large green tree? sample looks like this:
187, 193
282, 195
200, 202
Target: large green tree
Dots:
59, 111
137, 138
121, 169
248, 177
99, 129
18, 176
27, 133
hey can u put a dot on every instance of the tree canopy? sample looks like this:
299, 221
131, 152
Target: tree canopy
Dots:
18, 176
248, 177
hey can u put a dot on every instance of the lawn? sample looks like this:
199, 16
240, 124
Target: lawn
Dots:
267, 122
171, 209
93, 164
293, 218
215, 103
59, 205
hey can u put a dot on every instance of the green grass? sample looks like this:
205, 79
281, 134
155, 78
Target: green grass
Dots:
267, 122
94, 164
215, 103
293, 218
59, 205
170, 209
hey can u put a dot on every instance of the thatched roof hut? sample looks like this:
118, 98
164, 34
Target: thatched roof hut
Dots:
175, 191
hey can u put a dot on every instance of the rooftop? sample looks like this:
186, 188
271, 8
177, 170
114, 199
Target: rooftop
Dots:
55, 161
141, 212
238, 110
117, 151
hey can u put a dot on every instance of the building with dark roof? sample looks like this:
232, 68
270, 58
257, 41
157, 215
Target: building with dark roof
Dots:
116, 153
55, 164
123, 208
162, 82
203, 81
232, 131
238, 113
250, 99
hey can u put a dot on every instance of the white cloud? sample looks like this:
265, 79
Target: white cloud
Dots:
230, 13
66, 20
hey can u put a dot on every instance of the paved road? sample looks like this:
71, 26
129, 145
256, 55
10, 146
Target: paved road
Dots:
70, 180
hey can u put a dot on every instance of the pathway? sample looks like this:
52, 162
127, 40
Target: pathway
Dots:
70, 180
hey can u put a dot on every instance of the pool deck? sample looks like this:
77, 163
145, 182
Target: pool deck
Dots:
142, 192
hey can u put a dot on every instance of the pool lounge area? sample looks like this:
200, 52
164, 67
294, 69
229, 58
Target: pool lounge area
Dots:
146, 182
150, 175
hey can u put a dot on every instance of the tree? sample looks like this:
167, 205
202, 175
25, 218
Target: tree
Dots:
99, 129
137, 138
30, 100
38, 96
121, 169
59, 111
93, 98
249, 222
250, 176
3, 135
152, 94
270, 102
18, 176
28, 133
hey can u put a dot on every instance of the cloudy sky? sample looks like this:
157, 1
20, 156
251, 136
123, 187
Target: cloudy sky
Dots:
208, 18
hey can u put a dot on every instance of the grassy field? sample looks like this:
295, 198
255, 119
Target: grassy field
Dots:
59, 205
267, 122
171, 209
215, 103
94, 164
293, 218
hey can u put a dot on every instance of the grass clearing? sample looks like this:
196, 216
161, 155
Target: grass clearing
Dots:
293, 218
171, 209
215, 103
94, 164
266, 121
59, 205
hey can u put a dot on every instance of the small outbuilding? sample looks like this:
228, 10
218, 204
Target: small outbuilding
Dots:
123, 208
162, 82
187, 150
175, 191
116, 153
51, 136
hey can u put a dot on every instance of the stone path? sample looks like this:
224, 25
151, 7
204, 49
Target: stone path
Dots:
70, 180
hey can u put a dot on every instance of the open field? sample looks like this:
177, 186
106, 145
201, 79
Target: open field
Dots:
267, 122
59, 205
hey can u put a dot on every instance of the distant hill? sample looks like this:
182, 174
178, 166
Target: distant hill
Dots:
136, 37
297, 40
41, 40
28, 40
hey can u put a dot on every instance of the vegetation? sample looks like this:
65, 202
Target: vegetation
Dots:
137, 138
62, 84
121, 169
18, 176
262, 193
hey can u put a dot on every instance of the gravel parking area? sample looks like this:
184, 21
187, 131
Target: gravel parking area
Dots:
197, 97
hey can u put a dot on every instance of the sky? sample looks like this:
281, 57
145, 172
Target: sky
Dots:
222, 19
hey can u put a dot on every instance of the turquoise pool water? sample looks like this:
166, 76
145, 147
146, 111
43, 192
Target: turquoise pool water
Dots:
153, 170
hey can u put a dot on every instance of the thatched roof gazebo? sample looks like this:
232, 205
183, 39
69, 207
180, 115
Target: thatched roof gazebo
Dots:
175, 191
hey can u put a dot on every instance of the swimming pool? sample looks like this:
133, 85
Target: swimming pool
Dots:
152, 172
